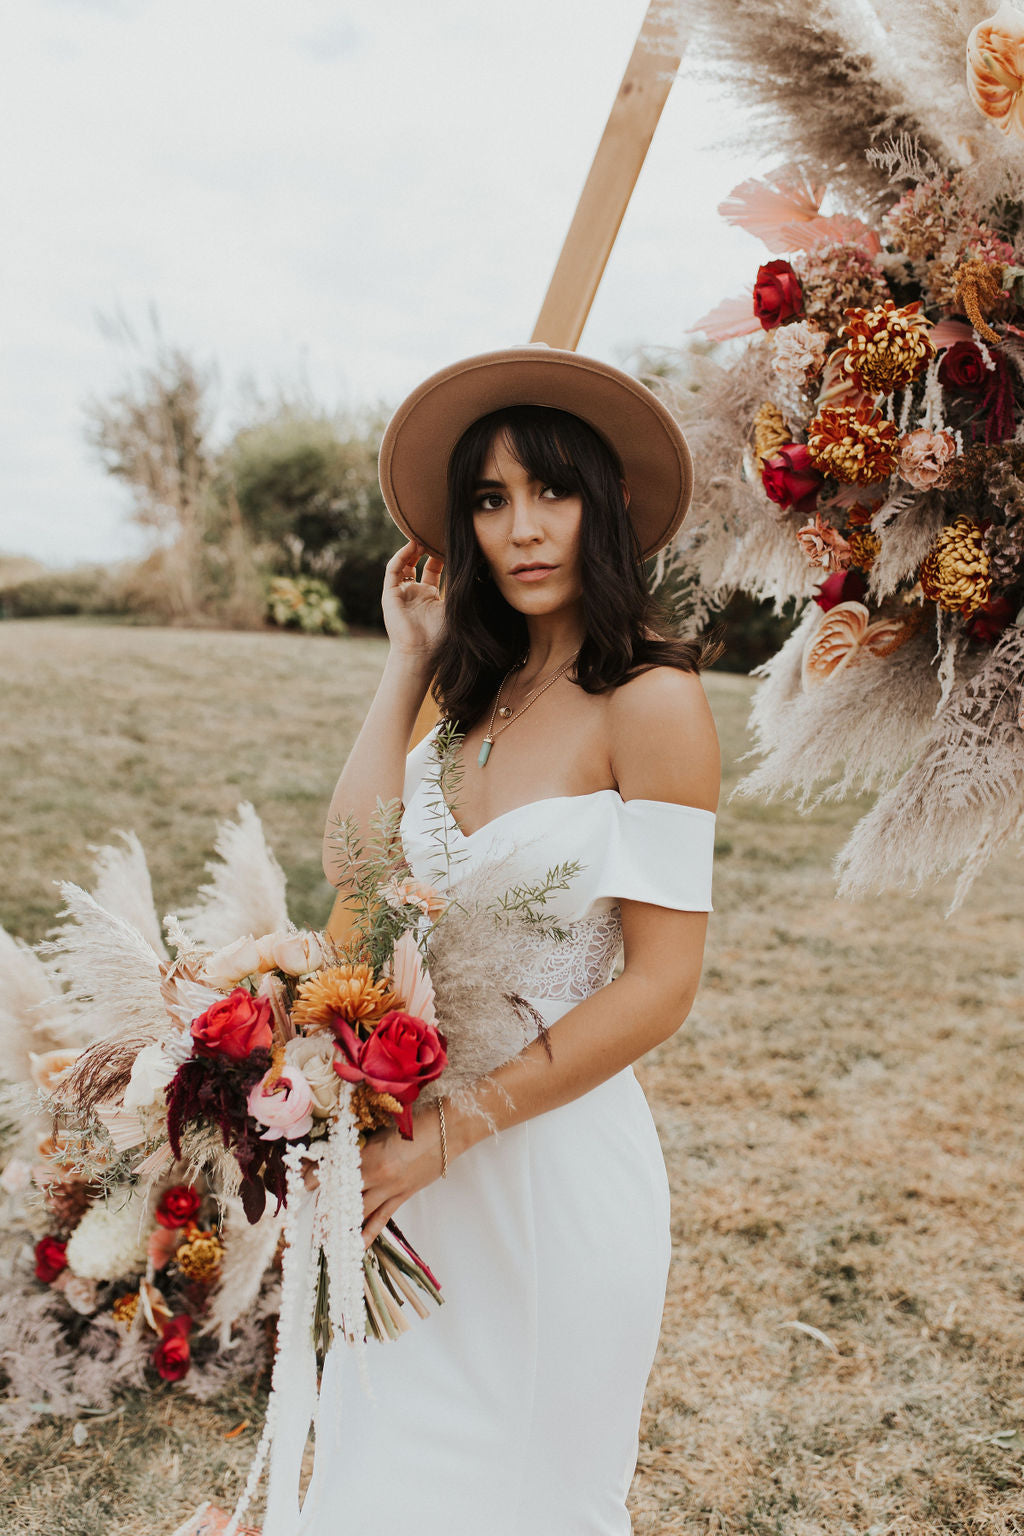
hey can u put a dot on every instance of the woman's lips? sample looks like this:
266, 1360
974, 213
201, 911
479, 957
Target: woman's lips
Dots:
534, 572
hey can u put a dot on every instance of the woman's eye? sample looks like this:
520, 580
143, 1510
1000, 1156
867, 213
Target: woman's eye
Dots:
490, 501
555, 492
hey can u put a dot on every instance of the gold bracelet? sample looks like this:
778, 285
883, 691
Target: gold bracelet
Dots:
444, 1139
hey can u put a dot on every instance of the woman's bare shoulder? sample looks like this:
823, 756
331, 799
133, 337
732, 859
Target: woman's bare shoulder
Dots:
662, 739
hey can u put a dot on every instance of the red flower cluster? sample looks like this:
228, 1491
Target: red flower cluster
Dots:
172, 1356
51, 1258
790, 478
234, 1026
400, 1057
178, 1206
841, 587
778, 295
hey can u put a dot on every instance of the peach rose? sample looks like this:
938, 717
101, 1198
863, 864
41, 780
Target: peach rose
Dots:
824, 545
413, 893
924, 455
296, 953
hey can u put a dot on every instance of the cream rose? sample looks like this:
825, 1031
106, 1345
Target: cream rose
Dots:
296, 953
313, 1055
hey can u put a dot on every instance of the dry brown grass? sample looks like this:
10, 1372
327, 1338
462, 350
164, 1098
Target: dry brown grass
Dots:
841, 1118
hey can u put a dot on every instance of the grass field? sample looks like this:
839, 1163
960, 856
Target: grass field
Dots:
843, 1347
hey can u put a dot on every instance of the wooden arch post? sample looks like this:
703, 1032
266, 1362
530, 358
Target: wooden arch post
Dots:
617, 164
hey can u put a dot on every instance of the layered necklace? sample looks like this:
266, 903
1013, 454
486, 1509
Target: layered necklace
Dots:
508, 716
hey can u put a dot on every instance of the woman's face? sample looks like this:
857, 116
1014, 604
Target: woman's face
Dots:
529, 534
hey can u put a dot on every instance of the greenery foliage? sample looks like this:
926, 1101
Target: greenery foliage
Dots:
306, 603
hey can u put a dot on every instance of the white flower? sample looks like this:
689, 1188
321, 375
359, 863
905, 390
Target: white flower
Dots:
107, 1243
152, 1070
225, 967
296, 953
312, 1054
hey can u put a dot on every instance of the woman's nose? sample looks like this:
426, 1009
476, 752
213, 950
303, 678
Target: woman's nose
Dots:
525, 525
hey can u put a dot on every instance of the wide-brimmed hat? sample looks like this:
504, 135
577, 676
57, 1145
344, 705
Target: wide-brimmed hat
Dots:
420, 436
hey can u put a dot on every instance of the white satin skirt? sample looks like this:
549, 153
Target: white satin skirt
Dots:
514, 1408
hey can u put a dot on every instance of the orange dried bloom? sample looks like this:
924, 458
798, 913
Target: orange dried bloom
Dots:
125, 1308
853, 444
886, 347
344, 991
865, 547
199, 1259
955, 573
373, 1110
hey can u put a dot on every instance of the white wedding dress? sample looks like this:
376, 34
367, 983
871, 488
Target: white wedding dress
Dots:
513, 1410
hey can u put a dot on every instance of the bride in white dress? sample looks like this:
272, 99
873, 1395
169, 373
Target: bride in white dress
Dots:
514, 1410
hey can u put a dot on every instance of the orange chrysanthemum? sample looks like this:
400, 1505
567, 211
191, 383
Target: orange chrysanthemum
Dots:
955, 573
853, 444
347, 992
886, 347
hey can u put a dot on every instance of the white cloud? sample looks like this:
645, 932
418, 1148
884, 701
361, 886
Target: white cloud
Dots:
356, 193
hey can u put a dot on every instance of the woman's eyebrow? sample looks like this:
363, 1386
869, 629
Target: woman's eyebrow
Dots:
488, 485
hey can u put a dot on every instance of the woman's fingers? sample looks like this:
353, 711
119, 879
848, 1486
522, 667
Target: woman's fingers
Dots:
374, 1224
402, 565
432, 571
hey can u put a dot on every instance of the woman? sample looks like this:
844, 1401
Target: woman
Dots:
515, 1409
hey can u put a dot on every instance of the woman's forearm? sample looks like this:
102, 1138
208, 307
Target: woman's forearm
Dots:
592, 1042
375, 767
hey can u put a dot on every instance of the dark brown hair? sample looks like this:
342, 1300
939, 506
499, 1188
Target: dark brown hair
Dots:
484, 636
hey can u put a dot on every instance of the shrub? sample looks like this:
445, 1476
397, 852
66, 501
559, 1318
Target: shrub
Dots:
87, 589
307, 492
306, 603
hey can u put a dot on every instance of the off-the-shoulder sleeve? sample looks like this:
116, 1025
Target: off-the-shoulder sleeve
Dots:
417, 763
661, 853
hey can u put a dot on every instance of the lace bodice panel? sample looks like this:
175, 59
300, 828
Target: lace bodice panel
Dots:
640, 850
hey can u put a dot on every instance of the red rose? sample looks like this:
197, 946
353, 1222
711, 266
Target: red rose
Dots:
963, 367
401, 1056
777, 294
841, 587
988, 623
178, 1206
235, 1026
51, 1258
172, 1356
789, 477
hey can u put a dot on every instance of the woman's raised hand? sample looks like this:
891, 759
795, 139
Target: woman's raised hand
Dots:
413, 607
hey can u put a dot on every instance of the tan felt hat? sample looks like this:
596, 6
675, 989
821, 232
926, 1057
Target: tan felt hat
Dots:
420, 436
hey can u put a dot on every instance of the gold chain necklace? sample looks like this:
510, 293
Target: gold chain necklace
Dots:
508, 716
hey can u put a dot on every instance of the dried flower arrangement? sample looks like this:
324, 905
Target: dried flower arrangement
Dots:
866, 455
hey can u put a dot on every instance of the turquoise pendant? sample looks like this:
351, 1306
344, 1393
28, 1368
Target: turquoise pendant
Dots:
485, 751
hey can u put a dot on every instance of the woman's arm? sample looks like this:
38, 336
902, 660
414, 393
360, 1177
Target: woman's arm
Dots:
375, 767
620, 1023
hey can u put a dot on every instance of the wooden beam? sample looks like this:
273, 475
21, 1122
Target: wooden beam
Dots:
613, 175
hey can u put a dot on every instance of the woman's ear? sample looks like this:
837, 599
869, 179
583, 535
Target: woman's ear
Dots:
625, 493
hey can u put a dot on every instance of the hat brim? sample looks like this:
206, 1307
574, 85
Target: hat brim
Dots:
420, 436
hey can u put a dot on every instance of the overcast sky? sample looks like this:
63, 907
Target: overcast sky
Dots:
346, 194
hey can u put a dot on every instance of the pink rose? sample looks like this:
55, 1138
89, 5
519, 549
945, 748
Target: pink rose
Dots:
924, 455
284, 1104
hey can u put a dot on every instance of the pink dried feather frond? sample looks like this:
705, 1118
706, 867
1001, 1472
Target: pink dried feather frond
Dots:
730, 319
410, 980
765, 205
123, 886
246, 891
